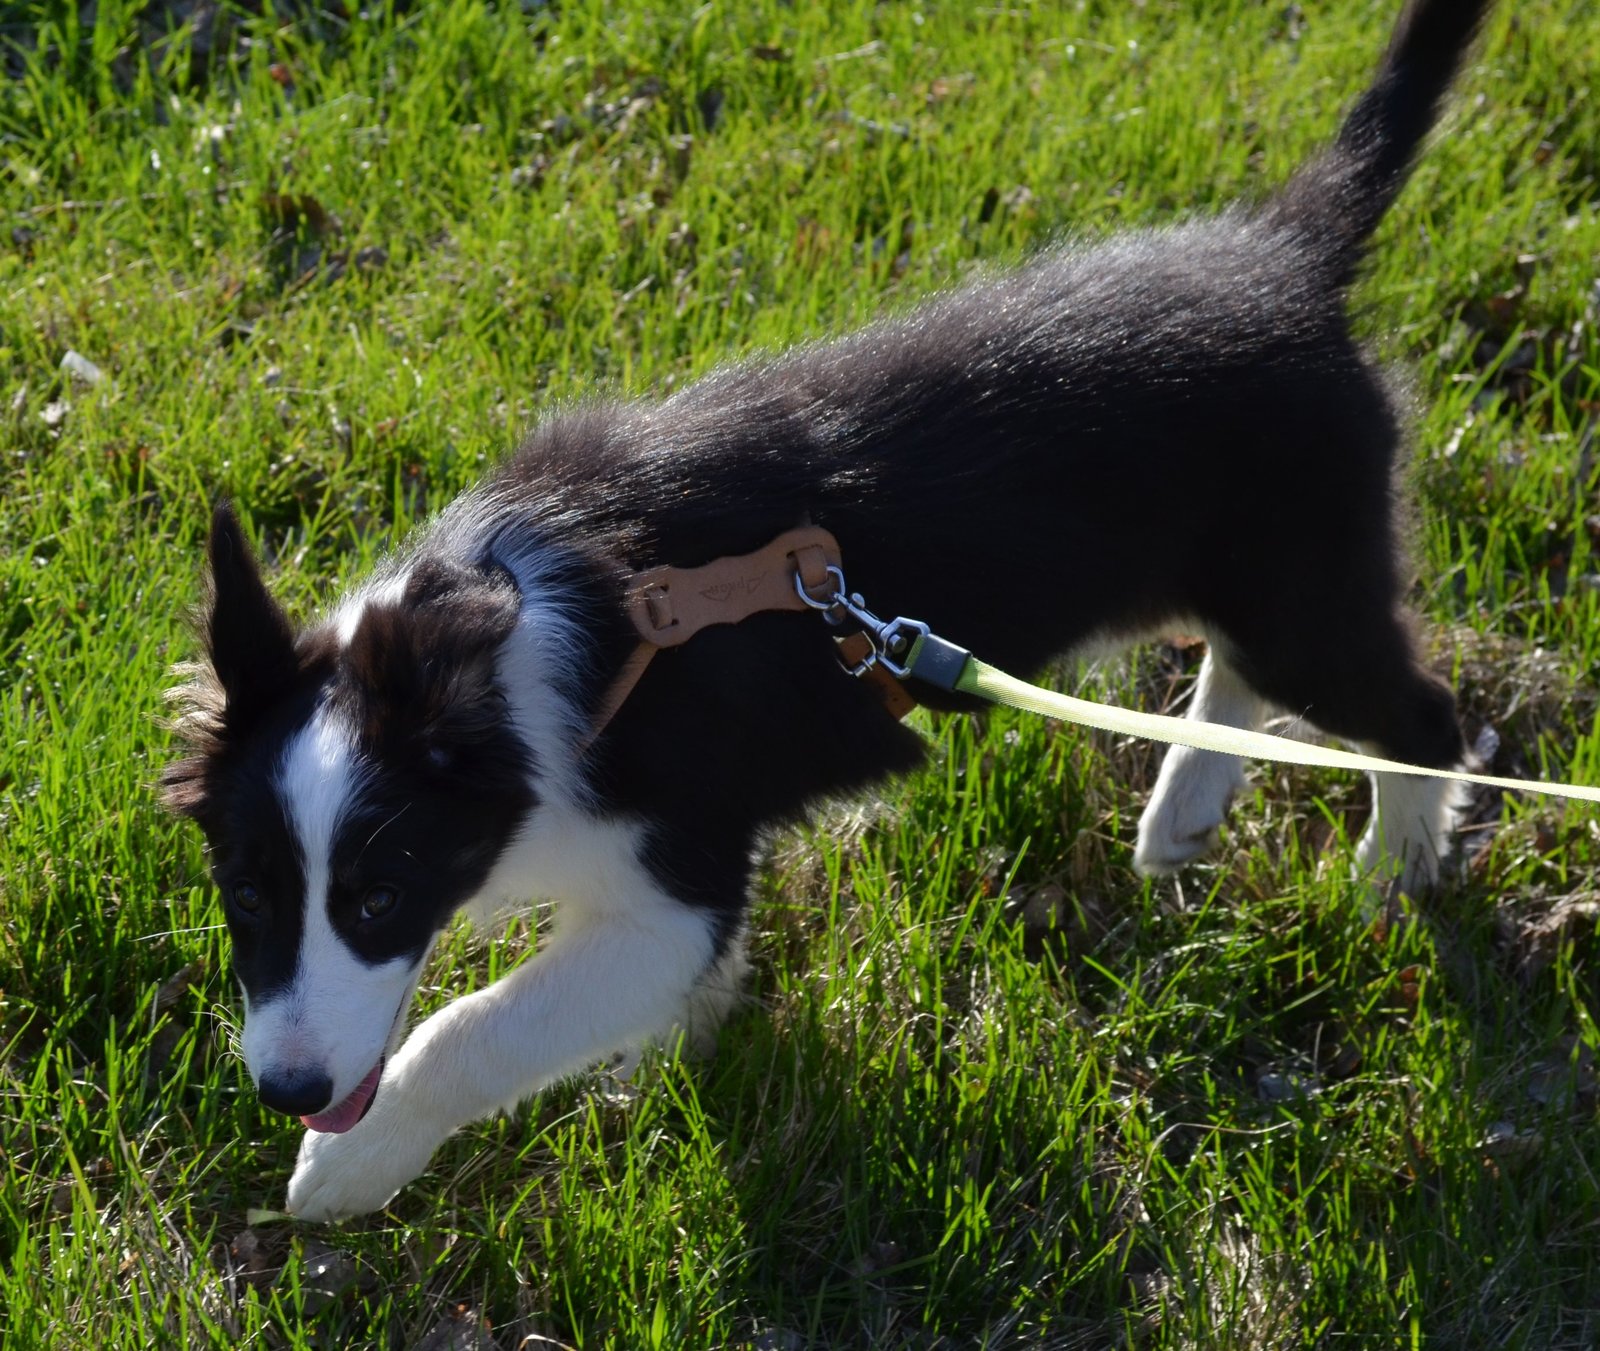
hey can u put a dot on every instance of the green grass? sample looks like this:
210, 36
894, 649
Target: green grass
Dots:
335, 267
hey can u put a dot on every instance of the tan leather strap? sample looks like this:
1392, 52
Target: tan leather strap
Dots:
668, 606
897, 700
627, 677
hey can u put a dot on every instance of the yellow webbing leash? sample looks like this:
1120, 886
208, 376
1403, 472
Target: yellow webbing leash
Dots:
986, 682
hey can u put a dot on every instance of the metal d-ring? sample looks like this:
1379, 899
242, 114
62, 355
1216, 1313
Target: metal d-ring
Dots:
832, 602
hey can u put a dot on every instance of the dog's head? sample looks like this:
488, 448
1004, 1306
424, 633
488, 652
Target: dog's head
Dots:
356, 783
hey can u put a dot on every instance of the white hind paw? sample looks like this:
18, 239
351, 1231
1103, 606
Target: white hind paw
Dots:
1187, 809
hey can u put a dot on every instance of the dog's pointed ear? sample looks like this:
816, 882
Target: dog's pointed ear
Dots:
425, 665
251, 663
249, 638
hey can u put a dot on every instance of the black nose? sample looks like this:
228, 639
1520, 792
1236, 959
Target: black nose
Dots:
297, 1092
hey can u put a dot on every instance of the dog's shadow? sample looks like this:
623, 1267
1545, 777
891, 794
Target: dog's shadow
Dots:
821, 1183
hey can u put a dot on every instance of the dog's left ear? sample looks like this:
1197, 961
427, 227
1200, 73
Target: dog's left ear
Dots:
424, 666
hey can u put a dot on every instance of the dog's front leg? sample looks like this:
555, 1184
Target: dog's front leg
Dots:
610, 978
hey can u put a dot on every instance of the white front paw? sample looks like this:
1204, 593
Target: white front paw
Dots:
357, 1172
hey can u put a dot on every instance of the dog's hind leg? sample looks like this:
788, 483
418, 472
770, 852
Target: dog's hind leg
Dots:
1360, 681
1194, 788
1409, 833
1413, 816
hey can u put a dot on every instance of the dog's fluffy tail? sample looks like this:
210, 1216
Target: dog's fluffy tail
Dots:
1338, 198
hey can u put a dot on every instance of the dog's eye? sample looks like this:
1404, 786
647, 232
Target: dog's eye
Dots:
378, 902
246, 899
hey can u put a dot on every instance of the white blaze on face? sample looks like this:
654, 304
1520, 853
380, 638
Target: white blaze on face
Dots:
337, 1013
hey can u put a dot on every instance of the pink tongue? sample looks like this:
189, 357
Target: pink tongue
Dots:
343, 1115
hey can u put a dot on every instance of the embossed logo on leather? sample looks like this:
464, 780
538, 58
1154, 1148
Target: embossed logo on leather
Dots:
745, 586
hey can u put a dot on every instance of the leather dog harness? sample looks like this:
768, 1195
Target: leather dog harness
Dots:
669, 606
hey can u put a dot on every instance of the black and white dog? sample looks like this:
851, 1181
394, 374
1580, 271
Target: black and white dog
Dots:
1172, 429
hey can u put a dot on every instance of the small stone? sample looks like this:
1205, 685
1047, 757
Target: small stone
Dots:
81, 369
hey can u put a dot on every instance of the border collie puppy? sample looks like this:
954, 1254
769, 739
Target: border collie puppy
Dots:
1174, 428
